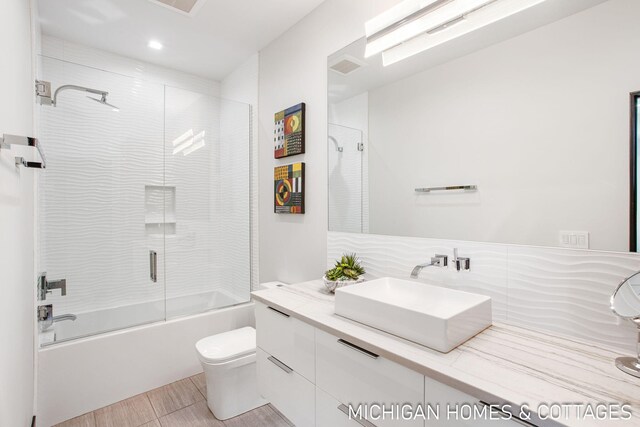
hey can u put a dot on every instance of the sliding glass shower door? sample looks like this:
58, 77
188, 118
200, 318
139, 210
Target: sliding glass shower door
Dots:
143, 209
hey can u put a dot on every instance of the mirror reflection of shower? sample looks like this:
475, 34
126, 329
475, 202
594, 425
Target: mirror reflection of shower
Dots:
335, 142
346, 162
43, 90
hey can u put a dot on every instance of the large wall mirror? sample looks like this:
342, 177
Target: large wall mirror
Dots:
519, 134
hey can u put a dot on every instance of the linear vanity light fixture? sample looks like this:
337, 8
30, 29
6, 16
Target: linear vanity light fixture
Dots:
414, 26
6, 141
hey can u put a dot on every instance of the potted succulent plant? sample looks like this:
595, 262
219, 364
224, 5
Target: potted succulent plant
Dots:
347, 271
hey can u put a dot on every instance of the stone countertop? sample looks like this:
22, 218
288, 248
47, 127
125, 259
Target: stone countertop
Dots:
502, 364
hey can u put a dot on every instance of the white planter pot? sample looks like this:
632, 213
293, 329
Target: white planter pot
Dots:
332, 285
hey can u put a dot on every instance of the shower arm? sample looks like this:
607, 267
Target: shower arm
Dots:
102, 93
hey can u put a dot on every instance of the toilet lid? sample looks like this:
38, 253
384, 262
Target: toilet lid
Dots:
227, 345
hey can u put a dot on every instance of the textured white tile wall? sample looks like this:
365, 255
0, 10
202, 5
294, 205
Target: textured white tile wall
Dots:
235, 196
91, 212
242, 85
92, 221
562, 291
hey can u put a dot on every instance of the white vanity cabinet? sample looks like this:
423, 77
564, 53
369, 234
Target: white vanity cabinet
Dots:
455, 409
287, 339
286, 363
356, 376
286, 389
312, 377
331, 413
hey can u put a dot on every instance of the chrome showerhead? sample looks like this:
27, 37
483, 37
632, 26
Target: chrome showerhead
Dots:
103, 101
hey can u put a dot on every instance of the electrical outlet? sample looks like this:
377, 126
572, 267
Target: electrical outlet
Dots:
574, 239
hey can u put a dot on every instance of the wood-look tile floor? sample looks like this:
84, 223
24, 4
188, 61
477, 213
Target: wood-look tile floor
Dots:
179, 404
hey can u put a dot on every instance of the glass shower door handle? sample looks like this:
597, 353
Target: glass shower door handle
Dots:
153, 266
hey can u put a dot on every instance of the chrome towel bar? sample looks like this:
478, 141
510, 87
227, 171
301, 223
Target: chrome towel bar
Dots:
449, 188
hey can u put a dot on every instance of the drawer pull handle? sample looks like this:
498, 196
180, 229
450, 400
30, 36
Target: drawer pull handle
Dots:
280, 365
278, 311
512, 417
358, 349
345, 410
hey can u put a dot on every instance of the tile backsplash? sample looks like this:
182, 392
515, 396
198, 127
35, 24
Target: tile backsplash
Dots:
562, 291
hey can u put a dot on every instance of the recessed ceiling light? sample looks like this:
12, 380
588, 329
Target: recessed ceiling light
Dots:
155, 44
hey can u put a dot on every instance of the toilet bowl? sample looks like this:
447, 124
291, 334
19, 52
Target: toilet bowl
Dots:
229, 362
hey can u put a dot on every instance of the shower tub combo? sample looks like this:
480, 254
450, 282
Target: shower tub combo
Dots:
143, 231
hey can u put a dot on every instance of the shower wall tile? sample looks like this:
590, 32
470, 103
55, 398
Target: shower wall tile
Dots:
242, 86
92, 194
95, 203
561, 291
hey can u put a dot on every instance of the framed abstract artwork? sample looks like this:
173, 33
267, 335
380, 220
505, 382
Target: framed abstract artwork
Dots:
288, 136
289, 188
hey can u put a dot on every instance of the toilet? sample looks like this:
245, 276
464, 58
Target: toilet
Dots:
229, 363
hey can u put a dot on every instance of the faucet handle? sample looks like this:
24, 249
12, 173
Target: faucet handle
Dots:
462, 263
45, 317
440, 260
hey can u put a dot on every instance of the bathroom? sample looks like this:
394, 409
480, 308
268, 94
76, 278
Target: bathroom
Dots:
319, 213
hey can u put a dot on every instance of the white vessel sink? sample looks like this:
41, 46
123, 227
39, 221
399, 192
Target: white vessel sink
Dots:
436, 317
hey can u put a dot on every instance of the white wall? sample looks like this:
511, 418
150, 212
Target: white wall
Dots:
16, 219
539, 122
292, 70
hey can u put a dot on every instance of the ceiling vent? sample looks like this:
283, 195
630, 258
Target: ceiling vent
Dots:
346, 64
185, 7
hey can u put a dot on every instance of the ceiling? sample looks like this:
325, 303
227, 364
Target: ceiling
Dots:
218, 38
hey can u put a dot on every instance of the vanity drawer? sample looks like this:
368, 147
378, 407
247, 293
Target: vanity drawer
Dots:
330, 412
287, 339
442, 396
354, 376
289, 392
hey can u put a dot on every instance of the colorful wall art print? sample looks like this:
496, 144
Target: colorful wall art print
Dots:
289, 188
288, 136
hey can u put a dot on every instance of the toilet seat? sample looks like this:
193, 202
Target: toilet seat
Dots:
227, 346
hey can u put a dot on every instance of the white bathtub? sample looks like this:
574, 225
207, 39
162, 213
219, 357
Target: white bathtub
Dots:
117, 318
82, 375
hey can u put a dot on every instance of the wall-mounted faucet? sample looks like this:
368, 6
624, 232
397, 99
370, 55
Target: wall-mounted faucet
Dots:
461, 263
436, 261
45, 286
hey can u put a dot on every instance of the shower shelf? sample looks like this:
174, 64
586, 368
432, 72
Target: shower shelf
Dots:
160, 228
6, 141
